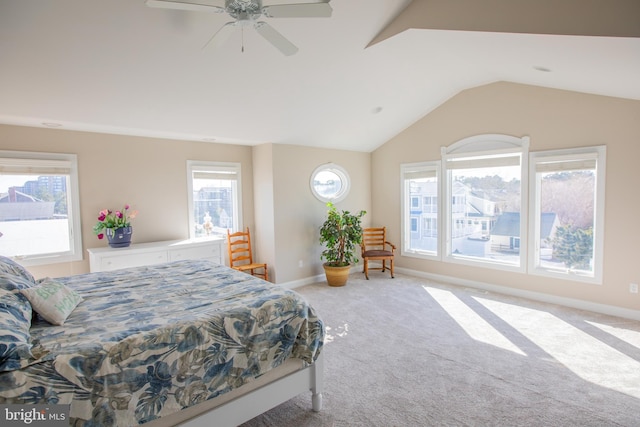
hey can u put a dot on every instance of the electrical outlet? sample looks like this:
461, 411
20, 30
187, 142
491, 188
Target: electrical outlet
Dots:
633, 288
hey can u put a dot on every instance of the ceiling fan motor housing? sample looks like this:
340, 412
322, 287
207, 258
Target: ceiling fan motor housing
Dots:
243, 10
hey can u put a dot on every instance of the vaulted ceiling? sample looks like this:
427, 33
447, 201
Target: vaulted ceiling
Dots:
359, 77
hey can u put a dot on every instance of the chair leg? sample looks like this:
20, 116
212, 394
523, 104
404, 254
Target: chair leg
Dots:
391, 268
366, 269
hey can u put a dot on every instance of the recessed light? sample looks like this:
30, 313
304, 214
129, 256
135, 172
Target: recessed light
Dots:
51, 124
542, 69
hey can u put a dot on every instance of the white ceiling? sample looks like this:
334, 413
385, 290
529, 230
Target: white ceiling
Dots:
117, 66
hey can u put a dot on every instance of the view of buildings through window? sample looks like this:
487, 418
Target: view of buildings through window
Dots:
212, 207
33, 214
214, 199
484, 213
423, 214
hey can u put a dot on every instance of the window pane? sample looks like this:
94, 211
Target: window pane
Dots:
330, 183
327, 184
213, 206
214, 198
421, 209
34, 215
485, 210
566, 220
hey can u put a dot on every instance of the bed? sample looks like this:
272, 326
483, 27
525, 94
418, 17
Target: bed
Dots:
188, 342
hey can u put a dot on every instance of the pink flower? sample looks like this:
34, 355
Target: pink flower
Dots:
102, 217
119, 214
100, 236
126, 207
133, 214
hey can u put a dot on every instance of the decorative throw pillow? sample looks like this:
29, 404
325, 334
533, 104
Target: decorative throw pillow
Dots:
15, 340
7, 265
52, 300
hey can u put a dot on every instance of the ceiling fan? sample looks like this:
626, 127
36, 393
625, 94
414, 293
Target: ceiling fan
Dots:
247, 14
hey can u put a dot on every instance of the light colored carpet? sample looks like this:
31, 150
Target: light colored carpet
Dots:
409, 352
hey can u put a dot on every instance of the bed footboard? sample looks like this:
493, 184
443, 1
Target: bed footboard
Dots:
268, 396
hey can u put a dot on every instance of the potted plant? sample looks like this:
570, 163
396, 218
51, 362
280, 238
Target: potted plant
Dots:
341, 233
116, 225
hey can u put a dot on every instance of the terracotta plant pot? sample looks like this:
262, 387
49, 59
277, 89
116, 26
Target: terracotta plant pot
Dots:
336, 276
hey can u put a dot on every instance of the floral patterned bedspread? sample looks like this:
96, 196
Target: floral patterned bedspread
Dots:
149, 341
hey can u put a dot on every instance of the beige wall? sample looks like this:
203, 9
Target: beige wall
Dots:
297, 214
149, 174
553, 119
263, 234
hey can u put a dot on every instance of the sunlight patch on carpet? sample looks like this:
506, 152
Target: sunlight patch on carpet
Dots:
331, 333
474, 325
627, 335
581, 353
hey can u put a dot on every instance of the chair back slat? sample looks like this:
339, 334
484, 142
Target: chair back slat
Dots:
373, 238
239, 248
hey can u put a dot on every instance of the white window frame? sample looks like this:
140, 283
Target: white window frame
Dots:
32, 161
597, 153
212, 167
482, 146
343, 176
431, 169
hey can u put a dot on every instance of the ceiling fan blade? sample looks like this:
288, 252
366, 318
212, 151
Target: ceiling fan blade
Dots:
200, 5
275, 38
306, 10
221, 35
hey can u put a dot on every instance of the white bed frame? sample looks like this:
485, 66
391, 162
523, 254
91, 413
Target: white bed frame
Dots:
265, 397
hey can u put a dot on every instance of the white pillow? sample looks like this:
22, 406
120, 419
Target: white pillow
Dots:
52, 300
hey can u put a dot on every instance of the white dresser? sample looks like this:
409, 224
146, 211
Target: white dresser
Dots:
106, 259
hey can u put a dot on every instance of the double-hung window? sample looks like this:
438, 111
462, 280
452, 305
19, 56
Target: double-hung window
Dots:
420, 189
39, 207
567, 189
490, 202
214, 198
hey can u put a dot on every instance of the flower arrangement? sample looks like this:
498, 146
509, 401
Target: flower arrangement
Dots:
114, 220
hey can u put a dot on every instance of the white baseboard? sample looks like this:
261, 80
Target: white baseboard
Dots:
303, 282
315, 279
537, 296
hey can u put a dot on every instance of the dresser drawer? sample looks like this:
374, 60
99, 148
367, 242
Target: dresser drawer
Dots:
211, 252
107, 259
132, 260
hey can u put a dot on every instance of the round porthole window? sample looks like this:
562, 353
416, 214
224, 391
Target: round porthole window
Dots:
330, 183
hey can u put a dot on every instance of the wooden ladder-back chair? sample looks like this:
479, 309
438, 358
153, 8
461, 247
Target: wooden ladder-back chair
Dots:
376, 248
241, 255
